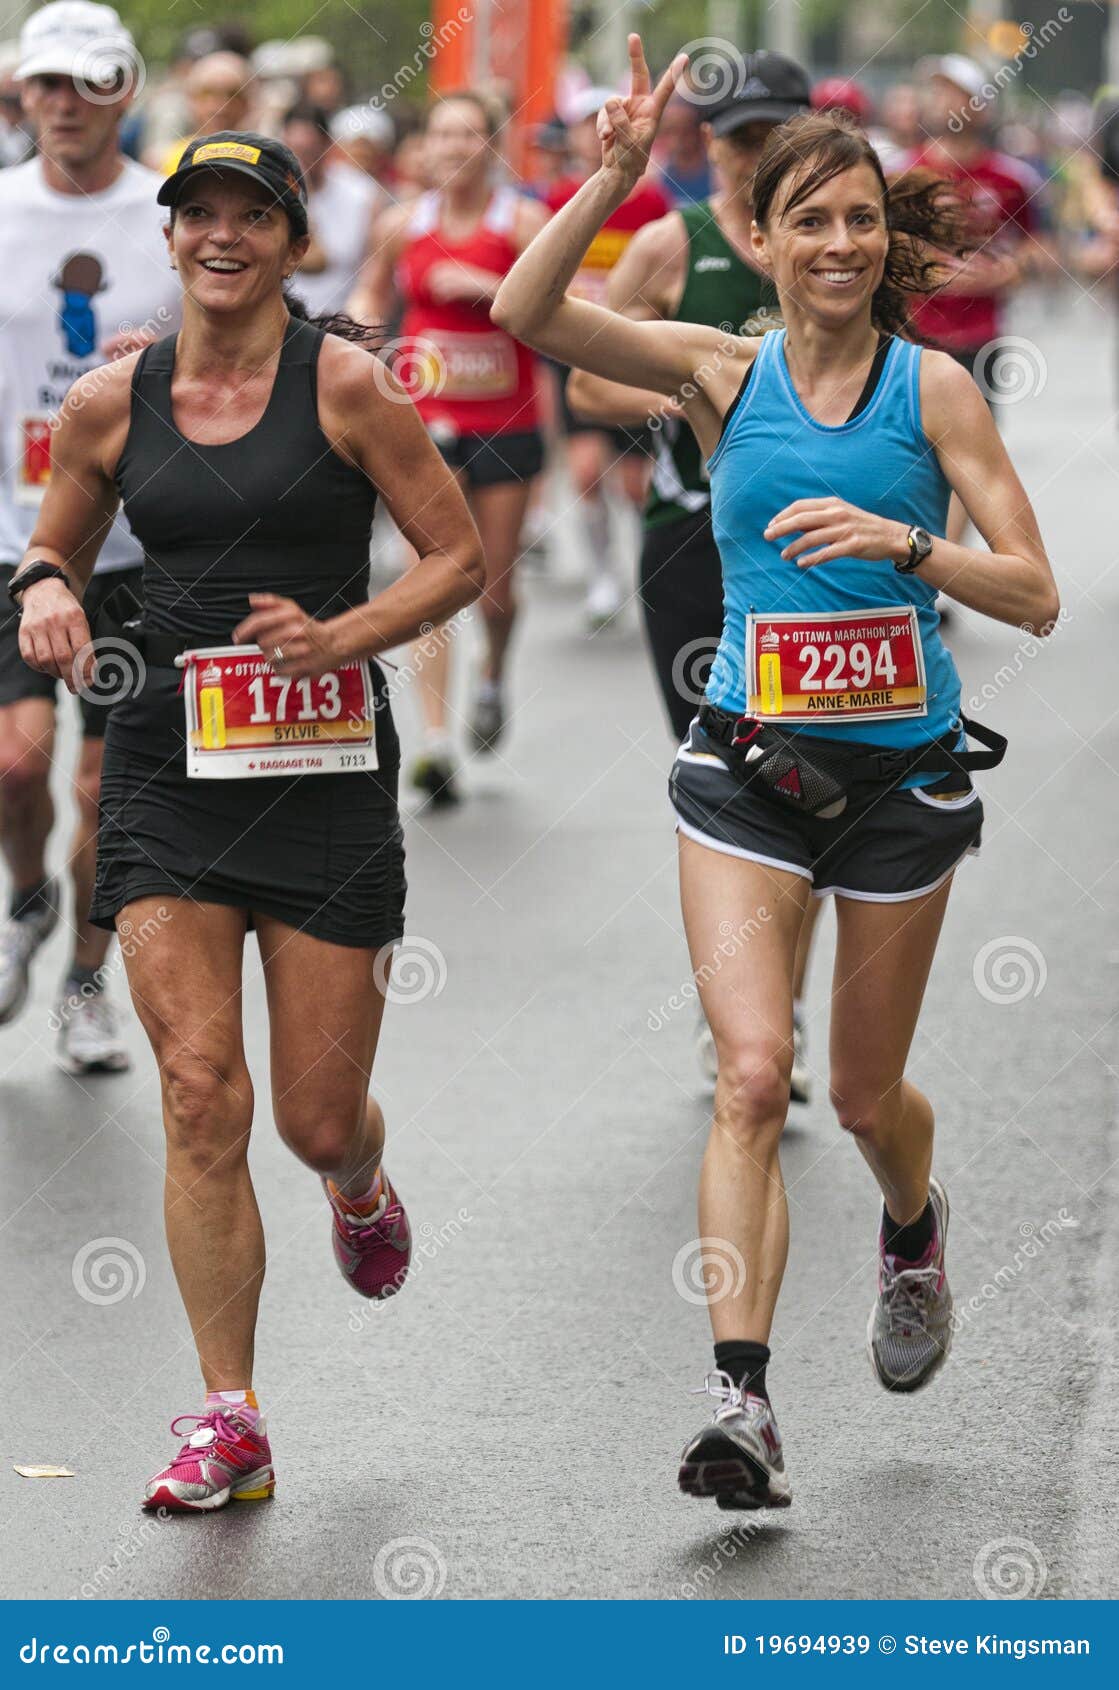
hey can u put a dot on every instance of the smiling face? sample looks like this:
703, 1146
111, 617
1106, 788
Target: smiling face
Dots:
231, 243
827, 250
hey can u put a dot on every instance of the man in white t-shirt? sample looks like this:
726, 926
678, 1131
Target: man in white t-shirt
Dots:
84, 277
341, 204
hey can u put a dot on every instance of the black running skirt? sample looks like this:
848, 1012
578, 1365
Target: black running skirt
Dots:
323, 853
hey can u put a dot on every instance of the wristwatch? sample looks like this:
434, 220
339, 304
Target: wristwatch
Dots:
920, 545
40, 571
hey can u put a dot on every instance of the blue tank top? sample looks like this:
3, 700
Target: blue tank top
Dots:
773, 452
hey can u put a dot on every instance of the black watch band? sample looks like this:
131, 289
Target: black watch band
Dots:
920, 545
25, 578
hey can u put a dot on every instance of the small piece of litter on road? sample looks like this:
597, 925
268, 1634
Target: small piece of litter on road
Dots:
44, 1472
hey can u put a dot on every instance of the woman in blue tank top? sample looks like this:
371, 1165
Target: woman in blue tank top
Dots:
829, 755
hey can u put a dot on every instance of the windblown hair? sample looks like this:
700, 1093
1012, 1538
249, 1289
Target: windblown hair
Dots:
926, 221
369, 336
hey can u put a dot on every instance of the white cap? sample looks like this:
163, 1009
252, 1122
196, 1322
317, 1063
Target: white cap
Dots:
370, 122
297, 57
959, 69
588, 102
76, 38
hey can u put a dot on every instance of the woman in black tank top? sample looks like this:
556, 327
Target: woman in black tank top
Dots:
248, 452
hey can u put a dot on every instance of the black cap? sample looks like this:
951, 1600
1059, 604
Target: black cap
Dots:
770, 89
257, 156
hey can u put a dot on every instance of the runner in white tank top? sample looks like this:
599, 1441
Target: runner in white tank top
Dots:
84, 276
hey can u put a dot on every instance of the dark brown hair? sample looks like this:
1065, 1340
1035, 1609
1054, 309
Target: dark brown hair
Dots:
925, 219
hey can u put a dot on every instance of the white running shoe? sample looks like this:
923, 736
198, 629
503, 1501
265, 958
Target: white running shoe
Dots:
909, 1333
604, 600
737, 1459
89, 1040
800, 1081
706, 1054
19, 940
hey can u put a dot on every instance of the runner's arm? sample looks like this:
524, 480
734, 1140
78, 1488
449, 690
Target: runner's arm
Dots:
374, 290
75, 516
645, 286
1012, 581
533, 303
368, 417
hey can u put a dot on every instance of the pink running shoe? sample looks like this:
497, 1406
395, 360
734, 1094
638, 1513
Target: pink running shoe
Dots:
373, 1251
223, 1458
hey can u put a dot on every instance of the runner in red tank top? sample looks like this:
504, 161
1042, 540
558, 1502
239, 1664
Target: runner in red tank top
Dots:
443, 257
965, 318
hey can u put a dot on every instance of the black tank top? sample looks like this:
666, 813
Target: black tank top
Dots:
274, 511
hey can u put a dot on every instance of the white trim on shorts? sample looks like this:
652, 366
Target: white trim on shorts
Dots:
690, 832
893, 897
944, 803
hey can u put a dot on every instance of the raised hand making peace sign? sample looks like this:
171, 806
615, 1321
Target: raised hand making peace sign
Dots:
627, 127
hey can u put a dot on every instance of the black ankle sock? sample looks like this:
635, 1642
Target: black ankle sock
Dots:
909, 1242
29, 901
77, 977
745, 1361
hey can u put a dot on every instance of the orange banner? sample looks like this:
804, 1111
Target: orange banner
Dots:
513, 49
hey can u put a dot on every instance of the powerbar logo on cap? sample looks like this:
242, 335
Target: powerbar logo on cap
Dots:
226, 149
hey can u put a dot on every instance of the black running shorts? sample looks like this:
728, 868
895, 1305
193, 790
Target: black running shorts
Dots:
882, 851
489, 460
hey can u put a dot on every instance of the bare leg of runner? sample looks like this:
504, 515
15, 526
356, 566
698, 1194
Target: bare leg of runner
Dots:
748, 1000
883, 956
26, 808
91, 943
185, 981
322, 1060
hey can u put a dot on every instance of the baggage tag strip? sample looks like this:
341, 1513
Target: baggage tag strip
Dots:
857, 665
245, 722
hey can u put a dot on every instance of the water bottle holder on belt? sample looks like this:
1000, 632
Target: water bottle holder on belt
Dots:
819, 777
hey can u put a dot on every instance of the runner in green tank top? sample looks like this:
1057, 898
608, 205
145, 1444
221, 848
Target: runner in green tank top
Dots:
719, 287
696, 266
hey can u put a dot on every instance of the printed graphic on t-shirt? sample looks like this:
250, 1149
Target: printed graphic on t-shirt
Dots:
80, 278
